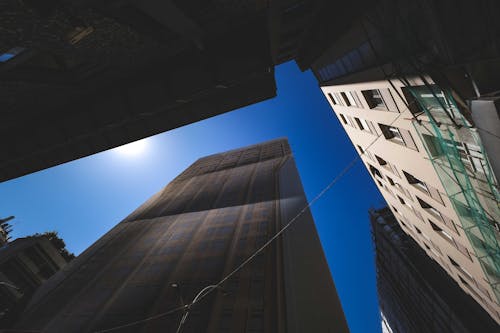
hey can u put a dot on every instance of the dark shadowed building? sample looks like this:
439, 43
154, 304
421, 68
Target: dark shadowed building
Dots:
192, 233
81, 76
25, 264
415, 293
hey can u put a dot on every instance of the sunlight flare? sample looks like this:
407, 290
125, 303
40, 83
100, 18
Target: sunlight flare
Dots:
133, 148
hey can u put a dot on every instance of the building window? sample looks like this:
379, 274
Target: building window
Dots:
446, 236
469, 287
391, 133
461, 269
361, 151
401, 200
362, 124
428, 98
380, 160
420, 185
343, 118
470, 155
442, 233
374, 98
334, 99
348, 98
433, 145
375, 171
350, 121
415, 181
433, 211
474, 156
390, 180
398, 135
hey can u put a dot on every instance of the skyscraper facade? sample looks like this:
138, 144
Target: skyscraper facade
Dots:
423, 151
190, 235
415, 293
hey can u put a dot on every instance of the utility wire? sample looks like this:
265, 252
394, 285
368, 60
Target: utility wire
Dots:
184, 307
272, 239
486, 131
302, 211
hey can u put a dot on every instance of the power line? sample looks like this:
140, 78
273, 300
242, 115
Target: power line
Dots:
303, 210
144, 320
262, 248
486, 131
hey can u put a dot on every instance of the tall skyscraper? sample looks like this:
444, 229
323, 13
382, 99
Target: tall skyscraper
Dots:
190, 235
415, 293
419, 143
404, 75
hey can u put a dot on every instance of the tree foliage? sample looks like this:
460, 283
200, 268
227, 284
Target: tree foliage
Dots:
58, 243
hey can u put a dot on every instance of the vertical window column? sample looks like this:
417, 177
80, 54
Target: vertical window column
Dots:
398, 135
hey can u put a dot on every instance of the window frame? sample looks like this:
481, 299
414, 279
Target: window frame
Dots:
334, 99
343, 118
371, 95
362, 124
412, 180
348, 98
392, 133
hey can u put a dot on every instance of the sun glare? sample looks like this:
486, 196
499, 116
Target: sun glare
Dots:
133, 148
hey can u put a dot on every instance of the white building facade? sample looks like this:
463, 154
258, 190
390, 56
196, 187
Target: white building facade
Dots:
429, 165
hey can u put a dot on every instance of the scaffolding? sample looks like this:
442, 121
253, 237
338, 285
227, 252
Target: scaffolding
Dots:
455, 150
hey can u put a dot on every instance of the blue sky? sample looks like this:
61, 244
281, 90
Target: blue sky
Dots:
83, 199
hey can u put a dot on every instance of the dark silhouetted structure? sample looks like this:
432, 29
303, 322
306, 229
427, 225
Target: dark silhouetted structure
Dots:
81, 76
415, 293
192, 233
25, 264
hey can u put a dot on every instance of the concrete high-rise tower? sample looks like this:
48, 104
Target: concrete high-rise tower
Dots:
191, 234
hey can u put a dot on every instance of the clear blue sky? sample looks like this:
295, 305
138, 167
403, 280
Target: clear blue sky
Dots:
83, 199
